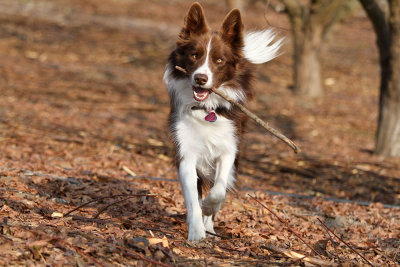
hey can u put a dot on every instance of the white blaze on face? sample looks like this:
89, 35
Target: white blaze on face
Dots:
204, 69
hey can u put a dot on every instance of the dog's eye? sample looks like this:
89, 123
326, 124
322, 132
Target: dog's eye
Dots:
194, 56
219, 60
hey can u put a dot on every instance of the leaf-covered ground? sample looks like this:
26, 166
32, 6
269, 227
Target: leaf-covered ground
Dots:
83, 117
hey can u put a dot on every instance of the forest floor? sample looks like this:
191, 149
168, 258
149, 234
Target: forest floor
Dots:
83, 116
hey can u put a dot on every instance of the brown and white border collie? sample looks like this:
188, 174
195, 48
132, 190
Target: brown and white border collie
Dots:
205, 128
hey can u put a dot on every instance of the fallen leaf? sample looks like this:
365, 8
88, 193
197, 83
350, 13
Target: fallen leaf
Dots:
57, 215
163, 241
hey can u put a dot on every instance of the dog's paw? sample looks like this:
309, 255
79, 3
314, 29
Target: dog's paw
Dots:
211, 206
213, 202
197, 231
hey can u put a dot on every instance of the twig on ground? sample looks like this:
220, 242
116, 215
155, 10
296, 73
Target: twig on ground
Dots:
253, 116
109, 205
341, 240
295, 255
85, 219
129, 171
220, 236
102, 198
385, 254
285, 223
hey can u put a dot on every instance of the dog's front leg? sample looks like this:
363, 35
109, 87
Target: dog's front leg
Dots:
188, 179
224, 171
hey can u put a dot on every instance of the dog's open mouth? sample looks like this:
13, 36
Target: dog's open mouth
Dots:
200, 94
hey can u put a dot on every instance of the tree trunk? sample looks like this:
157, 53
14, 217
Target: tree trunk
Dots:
239, 4
307, 70
388, 136
311, 21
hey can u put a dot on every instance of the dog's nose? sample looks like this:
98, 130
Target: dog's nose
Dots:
200, 79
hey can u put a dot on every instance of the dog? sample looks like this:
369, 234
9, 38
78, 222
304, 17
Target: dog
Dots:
205, 128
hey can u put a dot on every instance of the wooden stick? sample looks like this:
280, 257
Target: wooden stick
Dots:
284, 223
109, 205
341, 240
295, 255
101, 198
213, 234
253, 116
257, 119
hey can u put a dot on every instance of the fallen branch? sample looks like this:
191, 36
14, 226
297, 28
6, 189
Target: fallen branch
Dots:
285, 223
214, 234
109, 205
341, 240
91, 220
253, 116
295, 255
102, 198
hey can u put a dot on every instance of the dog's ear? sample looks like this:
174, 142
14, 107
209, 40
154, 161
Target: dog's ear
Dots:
232, 29
195, 22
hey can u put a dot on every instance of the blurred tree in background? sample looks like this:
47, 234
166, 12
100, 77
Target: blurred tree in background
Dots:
311, 22
231, 4
385, 17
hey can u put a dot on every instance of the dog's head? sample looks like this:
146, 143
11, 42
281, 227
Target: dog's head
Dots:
210, 58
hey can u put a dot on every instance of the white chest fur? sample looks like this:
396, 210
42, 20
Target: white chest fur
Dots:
206, 141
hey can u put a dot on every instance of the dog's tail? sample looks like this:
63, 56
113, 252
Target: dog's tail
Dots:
262, 46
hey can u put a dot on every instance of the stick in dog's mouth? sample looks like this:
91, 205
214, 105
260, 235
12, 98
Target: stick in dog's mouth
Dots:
253, 116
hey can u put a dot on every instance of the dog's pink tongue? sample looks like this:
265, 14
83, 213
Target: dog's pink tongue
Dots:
202, 93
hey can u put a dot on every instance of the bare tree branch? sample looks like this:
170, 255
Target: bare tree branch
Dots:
341, 240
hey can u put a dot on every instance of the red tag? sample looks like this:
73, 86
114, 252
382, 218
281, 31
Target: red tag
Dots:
211, 117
